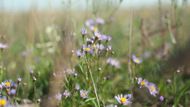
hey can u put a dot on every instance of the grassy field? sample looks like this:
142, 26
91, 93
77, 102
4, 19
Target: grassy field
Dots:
103, 56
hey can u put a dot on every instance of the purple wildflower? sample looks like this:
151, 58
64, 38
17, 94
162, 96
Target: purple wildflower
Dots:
12, 92
124, 99
105, 38
136, 60
152, 89
87, 49
79, 53
90, 22
13, 84
66, 93
100, 21
83, 31
113, 62
161, 98
142, 82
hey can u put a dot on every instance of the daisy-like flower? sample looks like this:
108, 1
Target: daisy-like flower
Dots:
113, 62
7, 83
124, 99
152, 89
136, 60
87, 49
66, 93
84, 94
142, 82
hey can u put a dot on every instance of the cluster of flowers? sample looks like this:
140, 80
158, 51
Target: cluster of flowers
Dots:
96, 42
66, 94
127, 99
151, 87
8, 89
115, 63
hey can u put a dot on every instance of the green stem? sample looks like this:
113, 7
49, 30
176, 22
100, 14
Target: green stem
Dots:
94, 85
130, 47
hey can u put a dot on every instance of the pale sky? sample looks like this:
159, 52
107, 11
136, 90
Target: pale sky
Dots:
23, 5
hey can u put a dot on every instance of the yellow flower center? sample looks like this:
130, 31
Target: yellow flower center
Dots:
143, 83
95, 29
152, 88
87, 49
137, 60
2, 102
7, 84
83, 94
123, 100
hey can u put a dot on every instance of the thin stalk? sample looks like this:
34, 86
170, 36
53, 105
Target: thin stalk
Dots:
94, 85
171, 33
130, 46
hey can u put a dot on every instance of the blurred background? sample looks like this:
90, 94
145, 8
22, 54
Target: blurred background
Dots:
42, 35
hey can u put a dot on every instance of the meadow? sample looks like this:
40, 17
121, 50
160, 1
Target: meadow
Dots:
102, 56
